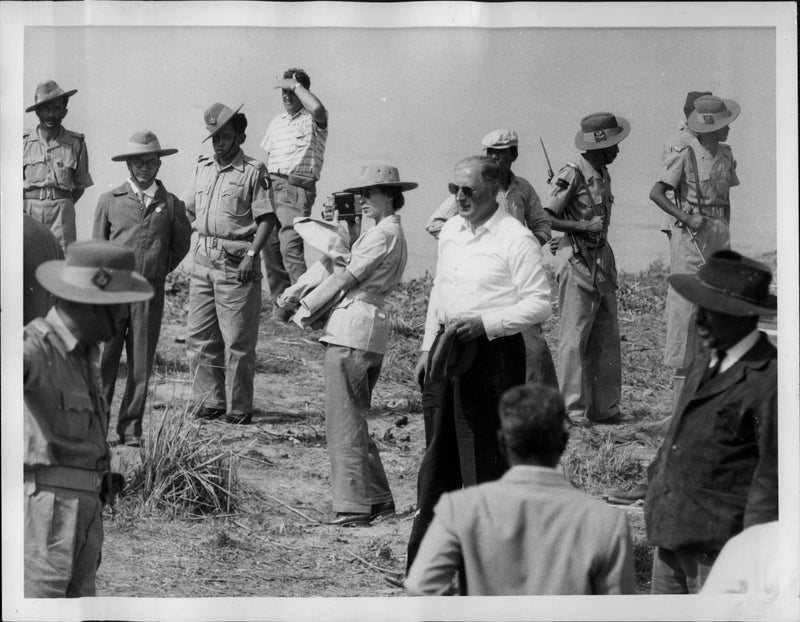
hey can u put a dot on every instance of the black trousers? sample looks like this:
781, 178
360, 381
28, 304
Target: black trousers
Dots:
461, 423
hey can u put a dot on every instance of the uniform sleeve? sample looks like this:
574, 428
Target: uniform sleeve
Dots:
439, 555
674, 166
560, 190
538, 222
102, 226
261, 204
189, 197
616, 573
762, 499
533, 288
441, 215
367, 253
82, 178
734, 176
180, 234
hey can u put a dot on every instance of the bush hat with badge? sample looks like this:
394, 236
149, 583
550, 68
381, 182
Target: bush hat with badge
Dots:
143, 142
500, 139
373, 175
712, 113
46, 92
217, 117
729, 283
600, 130
95, 272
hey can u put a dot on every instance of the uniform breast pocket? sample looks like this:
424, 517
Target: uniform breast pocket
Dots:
35, 170
73, 417
64, 164
234, 200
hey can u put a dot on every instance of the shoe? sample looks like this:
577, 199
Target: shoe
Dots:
131, 441
626, 496
395, 579
380, 510
205, 412
238, 418
614, 420
281, 314
350, 519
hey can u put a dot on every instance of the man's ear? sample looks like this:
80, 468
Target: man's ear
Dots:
242, 138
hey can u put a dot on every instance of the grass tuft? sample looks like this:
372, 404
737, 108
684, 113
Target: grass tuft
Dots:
597, 463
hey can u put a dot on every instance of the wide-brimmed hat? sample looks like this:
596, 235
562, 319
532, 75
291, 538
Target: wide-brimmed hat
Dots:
600, 130
216, 117
95, 272
691, 97
500, 139
729, 283
712, 113
142, 143
48, 91
380, 175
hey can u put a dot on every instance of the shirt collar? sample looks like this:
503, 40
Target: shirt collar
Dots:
532, 467
237, 162
737, 350
61, 330
149, 191
490, 225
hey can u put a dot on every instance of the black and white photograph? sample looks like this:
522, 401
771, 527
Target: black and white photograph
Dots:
371, 311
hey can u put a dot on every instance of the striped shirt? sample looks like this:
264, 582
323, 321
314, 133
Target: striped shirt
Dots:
295, 144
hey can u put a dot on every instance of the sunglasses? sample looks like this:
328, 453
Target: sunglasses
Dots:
141, 163
468, 191
368, 192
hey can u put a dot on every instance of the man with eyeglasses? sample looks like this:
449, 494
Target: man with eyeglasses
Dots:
489, 286
295, 146
152, 222
55, 164
579, 202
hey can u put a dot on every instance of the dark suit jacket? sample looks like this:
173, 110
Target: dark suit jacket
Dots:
717, 471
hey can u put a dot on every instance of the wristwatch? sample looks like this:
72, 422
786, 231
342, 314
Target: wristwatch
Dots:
250, 252
294, 88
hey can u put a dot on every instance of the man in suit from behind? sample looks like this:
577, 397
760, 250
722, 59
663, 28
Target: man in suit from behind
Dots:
529, 532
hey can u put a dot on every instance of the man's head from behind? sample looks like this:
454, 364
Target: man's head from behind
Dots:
475, 183
533, 428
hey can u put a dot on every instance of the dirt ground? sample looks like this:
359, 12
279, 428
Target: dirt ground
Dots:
276, 542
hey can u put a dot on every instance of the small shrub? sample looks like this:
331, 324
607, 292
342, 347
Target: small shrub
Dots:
181, 472
606, 465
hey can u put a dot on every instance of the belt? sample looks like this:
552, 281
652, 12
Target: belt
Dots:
373, 299
280, 175
215, 239
46, 193
66, 477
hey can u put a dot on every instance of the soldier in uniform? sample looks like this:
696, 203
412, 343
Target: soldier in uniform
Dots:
699, 172
231, 211
152, 222
66, 455
579, 202
55, 164
516, 196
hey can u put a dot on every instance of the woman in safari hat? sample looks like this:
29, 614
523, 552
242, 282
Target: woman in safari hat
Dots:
701, 172
356, 335
141, 214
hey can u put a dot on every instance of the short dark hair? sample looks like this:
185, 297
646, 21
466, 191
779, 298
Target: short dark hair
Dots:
300, 75
533, 422
489, 168
239, 123
395, 194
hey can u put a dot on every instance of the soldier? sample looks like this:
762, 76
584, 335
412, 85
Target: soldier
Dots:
66, 417
152, 222
516, 197
699, 171
55, 164
232, 214
579, 203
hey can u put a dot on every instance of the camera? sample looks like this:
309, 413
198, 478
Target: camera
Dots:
347, 205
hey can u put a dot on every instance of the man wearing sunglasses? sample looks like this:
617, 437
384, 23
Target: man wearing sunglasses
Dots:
152, 222
579, 203
489, 286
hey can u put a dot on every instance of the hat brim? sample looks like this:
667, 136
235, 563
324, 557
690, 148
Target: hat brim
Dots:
401, 185
485, 147
583, 145
66, 94
701, 128
50, 275
222, 125
690, 287
159, 152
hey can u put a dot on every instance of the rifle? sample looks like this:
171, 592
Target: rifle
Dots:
547, 159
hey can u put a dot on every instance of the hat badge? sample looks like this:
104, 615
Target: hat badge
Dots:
599, 135
212, 120
708, 118
101, 278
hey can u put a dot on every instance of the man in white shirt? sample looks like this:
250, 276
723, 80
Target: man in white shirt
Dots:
530, 532
489, 286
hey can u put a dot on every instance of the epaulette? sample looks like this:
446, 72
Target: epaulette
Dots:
26, 133
679, 147
38, 327
202, 158
77, 135
253, 162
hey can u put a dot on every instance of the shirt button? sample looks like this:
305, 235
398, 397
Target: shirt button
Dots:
674, 448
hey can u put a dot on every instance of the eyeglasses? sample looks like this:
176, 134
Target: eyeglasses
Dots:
468, 191
140, 163
368, 192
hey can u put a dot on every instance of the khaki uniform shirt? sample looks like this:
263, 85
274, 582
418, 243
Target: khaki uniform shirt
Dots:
66, 417
227, 200
566, 197
62, 163
717, 173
